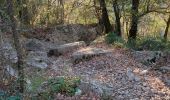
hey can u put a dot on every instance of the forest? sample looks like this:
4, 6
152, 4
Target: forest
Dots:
84, 50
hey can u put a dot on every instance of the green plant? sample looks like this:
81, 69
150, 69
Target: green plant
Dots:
153, 44
64, 85
117, 41
112, 37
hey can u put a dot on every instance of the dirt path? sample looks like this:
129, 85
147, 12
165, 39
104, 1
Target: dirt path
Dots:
117, 74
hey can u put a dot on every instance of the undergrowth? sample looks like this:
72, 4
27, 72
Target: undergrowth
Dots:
145, 43
63, 85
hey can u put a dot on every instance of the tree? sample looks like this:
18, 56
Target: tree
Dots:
117, 16
134, 21
167, 28
23, 12
105, 17
10, 11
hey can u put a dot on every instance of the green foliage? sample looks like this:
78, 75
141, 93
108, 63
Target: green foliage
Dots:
146, 43
117, 41
112, 38
35, 83
64, 85
153, 44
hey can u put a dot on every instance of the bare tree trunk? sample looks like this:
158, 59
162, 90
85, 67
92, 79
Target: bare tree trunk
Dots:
17, 45
105, 17
48, 14
61, 11
134, 23
167, 28
117, 15
23, 12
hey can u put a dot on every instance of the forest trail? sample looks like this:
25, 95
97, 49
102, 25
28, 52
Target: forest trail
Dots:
115, 73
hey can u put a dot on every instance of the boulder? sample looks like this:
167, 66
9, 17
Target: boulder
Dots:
34, 45
88, 52
165, 68
62, 49
71, 33
8, 52
39, 45
131, 76
11, 71
88, 35
37, 59
147, 57
95, 86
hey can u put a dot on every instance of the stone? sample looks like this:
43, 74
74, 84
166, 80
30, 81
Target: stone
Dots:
165, 68
144, 72
84, 86
88, 52
78, 92
147, 57
62, 49
137, 79
167, 81
37, 59
8, 52
132, 76
12, 71
34, 45
100, 88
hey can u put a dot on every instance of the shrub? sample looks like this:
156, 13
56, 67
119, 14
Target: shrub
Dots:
153, 44
117, 41
63, 85
112, 37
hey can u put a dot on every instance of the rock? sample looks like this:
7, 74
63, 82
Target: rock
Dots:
78, 92
147, 57
167, 81
88, 35
62, 49
37, 59
132, 76
165, 68
12, 71
144, 72
34, 45
71, 33
2, 94
95, 86
85, 87
100, 88
28, 84
8, 58
137, 79
8, 52
88, 53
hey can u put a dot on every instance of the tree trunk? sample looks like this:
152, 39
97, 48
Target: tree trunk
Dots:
134, 23
23, 12
117, 15
167, 28
17, 45
105, 17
